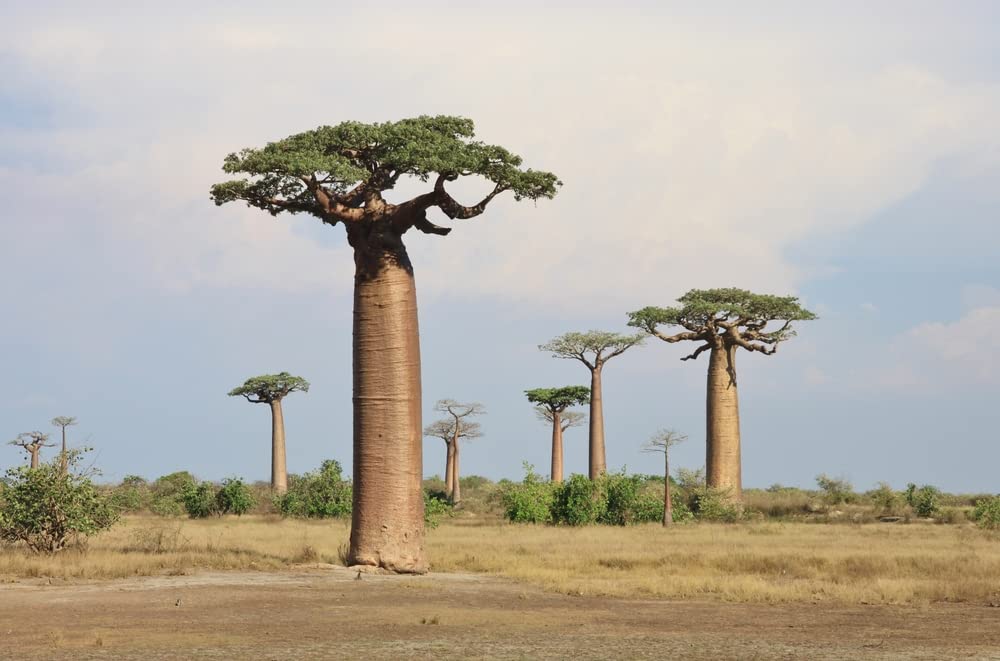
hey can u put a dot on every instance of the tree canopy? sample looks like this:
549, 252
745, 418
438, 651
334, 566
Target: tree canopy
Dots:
445, 429
559, 399
593, 348
63, 421
268, 388
567, 419
733, 316
338, 173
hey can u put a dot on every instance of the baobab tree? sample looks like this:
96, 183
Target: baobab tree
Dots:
458, 427
63, 421
339, 174
271, 389
551, 406
722, 321
593, 349
32, 442
662, 441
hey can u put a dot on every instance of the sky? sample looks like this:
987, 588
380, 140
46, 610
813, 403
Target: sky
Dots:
844, 153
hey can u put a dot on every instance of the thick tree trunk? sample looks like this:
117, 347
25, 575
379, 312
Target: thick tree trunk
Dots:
557, 448
722, 462
668, 508
598, 460
449, 469
456, 489
279, 470
34, 458
387, 524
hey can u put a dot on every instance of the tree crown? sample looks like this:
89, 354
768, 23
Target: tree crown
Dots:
31, 440
445, 429
663, 440
268, 388
559, 399
63, 421
459, 409
593, 348
567, 419
337, 172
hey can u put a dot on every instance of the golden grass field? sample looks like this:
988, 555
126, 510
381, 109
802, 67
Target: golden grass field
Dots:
906, 564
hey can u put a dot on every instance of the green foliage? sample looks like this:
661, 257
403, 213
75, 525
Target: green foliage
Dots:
986, 513
200, 501
559, 399
267, 388
579, 501
376, 155
167, 493
132, 495
436, 507
234, 497
48, 507
602, 345
925, 501
708, 504
884, 498
836, 490
629, 501
527, 502
318, 495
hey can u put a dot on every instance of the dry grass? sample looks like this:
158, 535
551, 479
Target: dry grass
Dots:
761, 562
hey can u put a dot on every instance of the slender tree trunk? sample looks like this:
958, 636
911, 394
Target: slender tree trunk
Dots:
63, 459
279, 470
449, 469
598, 460
387, 523
668, 507
456, 489
34, 457
557, 448
722, 461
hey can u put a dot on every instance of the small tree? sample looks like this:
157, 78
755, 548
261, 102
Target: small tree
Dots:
662, 441
321, 494
270, 389
593, 349
836, 490
47, 507
451, 429
32, 442
235, 497
63, 421
551, 407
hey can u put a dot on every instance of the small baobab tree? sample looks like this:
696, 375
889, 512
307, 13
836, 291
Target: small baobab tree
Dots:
723, 321
662, 441
32, 442
341, 175
593, 349
551, 406
63, 421
451, 429
271, 389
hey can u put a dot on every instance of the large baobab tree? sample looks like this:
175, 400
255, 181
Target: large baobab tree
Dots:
32, 442
63, 421
723, 321
551, 406
593, 349
271, 389
662, 441
456, 426
341, 174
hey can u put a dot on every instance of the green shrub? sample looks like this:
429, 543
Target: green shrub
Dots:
319, 495
579, 501
986, 513
883, 498
132, 495
48, 508
925, 501
527, 502
709, 504
234, 497
835, 490
436, 507
200, 501
167, 493
632, 499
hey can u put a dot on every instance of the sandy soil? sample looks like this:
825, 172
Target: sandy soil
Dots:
326, 612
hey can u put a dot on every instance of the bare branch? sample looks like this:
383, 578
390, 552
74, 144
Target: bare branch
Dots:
698, 351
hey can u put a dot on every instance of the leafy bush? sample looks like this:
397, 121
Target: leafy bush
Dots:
986, 513
709, 504
167, 493
48, 507
884, 498
634, 499
319, 495
925, 501
579, 501
835, 490
234, 497
436, 506
200, 501
132, 495
527, 502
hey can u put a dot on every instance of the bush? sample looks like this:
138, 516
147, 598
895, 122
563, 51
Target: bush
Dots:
836, 491
200, 501
436, 506
579, 501
132, 495
319, 495
709, 504
986, 513
633, 499
48, 507
925, 501
167, 493
883, 498
527, 502
234, 497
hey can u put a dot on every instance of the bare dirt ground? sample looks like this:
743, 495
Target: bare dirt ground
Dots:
325, 612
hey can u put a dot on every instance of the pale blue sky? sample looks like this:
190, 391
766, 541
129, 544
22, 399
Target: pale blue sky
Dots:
846, 155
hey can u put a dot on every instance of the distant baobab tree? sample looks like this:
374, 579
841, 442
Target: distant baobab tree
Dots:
32, 442
451, 429
339, 175
593, 349
722, 321
552, 405
662, 441
63, 421
271, 389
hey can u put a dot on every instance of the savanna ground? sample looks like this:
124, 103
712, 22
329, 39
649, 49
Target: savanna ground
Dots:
156, 588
